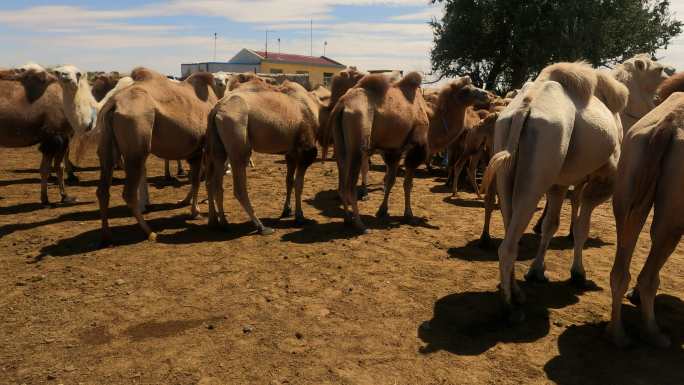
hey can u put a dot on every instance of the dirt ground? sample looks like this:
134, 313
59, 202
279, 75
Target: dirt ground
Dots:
314, 305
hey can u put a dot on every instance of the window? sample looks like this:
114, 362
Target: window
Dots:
276, 71
327, 78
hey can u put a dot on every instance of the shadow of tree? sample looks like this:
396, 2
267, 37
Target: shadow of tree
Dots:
587, 357
471, 323
528, 245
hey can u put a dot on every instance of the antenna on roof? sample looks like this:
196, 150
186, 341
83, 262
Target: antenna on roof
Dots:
266, 55
215, 37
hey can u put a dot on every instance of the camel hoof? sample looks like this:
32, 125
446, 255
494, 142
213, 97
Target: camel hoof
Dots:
152, 237
266, 231
578, 279
657, 339
287, 212
537, 276
633, 297
382, 212
300, 221
68, 199
409, 219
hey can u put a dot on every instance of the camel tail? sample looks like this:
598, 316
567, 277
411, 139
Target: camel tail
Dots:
505, 159
334, 124
108, 149
658, 144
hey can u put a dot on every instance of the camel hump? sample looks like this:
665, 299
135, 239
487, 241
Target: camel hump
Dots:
611, 92
578, 79
375, 83
201, 78
674, 83
140, 74
412, 80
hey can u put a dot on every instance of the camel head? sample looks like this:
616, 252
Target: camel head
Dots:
645, 73
69, 76
221, 80
463, 92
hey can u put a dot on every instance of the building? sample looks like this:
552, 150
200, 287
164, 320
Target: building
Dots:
320, 69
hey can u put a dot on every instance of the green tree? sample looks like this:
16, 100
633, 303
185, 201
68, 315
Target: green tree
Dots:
502, 43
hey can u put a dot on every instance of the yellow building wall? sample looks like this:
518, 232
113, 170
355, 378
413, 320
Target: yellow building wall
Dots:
315, 72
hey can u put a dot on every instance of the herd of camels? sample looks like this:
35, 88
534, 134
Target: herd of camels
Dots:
617, 133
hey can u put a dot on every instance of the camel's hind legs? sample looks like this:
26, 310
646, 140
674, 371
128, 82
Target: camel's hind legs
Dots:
392, 161
215, 164
289, 185
554, 199
44, 175
593, 194
58, 164
489, 198
240, 191
135, 177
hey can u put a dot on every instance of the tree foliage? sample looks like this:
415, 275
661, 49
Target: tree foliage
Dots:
502, 43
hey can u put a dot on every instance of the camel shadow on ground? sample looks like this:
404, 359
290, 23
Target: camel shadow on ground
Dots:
82, 216
529, 243
89, 241
586, 356
471, 323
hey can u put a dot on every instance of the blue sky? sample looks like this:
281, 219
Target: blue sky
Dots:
119, 35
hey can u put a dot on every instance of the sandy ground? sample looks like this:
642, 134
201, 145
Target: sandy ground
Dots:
314, 305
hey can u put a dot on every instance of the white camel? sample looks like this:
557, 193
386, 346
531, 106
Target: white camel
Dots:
561, 130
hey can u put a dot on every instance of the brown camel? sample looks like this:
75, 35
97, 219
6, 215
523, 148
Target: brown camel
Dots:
392, 118
31, 113
152, 116
103, 83
269, 119
649, 176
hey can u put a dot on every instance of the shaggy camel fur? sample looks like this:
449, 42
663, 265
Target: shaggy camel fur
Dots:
263, 118
392, 118
31, 113
81, 107
649, 176
561, 130
642, 76
152, 116
103, 83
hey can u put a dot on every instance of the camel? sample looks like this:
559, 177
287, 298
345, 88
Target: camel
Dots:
240, 124
152, 116
392, 118
561, 130
642, 76
31, 113
103, 83
649, 176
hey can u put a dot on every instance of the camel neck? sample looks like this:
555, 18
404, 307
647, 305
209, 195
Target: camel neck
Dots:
445, 126
78, 105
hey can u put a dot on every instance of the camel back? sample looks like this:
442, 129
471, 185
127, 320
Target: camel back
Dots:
674, 83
